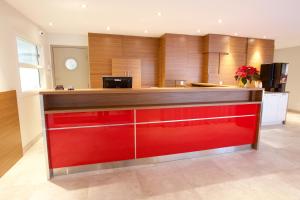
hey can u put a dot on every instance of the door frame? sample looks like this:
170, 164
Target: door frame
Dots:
67, 46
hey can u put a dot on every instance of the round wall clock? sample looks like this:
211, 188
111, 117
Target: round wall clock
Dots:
71, 64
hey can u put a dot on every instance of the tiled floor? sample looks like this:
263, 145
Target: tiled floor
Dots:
272, 173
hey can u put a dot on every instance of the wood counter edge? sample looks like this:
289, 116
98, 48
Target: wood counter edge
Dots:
144, 90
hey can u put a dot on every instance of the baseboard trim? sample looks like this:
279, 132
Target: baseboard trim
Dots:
31, 143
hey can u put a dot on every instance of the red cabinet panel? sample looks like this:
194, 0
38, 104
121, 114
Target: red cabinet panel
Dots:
164, 114
76, 119
79, 146
179, 137
69, 146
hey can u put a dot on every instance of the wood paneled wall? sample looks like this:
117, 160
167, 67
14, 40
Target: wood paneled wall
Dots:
214, 48
10, 137
260, 51
104, 47
147, 50
121, 66
213, 43
224, 54
178, 57
237, 57
181, 58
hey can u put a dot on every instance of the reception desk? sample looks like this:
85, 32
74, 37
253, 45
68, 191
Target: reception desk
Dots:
103, 128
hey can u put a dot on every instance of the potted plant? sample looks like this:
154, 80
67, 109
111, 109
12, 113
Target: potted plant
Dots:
246, 74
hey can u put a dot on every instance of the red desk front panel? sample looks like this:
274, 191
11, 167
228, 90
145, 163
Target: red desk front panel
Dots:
165, 114
72, 147
159, 132
95, 137
74, 119
179, 137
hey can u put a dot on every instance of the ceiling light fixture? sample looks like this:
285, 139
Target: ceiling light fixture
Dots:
265, 37
83, 6
108, 28
198, 30
50, 23
220, 21
159, 14
146, 31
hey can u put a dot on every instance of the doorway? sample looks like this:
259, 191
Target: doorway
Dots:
70, 66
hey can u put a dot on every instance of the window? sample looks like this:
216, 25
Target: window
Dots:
30, 79
28, 56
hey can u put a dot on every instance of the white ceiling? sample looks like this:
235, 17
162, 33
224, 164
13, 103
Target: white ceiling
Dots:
275, 19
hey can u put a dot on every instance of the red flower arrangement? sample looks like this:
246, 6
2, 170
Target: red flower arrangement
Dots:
245, 73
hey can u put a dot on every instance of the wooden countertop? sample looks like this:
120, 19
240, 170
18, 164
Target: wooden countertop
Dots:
146, 90
268, 92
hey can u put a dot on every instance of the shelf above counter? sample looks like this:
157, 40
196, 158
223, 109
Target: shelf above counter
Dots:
85, 99
146, 90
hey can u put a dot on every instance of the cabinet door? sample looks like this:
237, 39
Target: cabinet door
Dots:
284, 106
80, 146
271, 106
156, 139
274, 108
267, 112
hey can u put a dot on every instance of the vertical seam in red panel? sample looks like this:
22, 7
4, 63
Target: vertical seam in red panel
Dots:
134, 122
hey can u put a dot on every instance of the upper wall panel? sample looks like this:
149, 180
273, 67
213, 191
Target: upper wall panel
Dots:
104, 47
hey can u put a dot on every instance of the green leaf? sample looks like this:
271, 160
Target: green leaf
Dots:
244, 81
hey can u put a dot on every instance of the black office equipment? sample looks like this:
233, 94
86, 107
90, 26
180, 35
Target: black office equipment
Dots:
117, 82
274, 76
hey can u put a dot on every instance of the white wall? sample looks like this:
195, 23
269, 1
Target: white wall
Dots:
68, 39
291, 56
14, 24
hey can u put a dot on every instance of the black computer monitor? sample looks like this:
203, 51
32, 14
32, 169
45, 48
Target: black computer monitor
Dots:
117, 82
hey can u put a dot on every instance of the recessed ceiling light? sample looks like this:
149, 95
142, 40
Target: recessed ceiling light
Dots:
50, 23
83, 5
236, 34
198, 30
220, 21
146, 31
108, 28
159, 14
